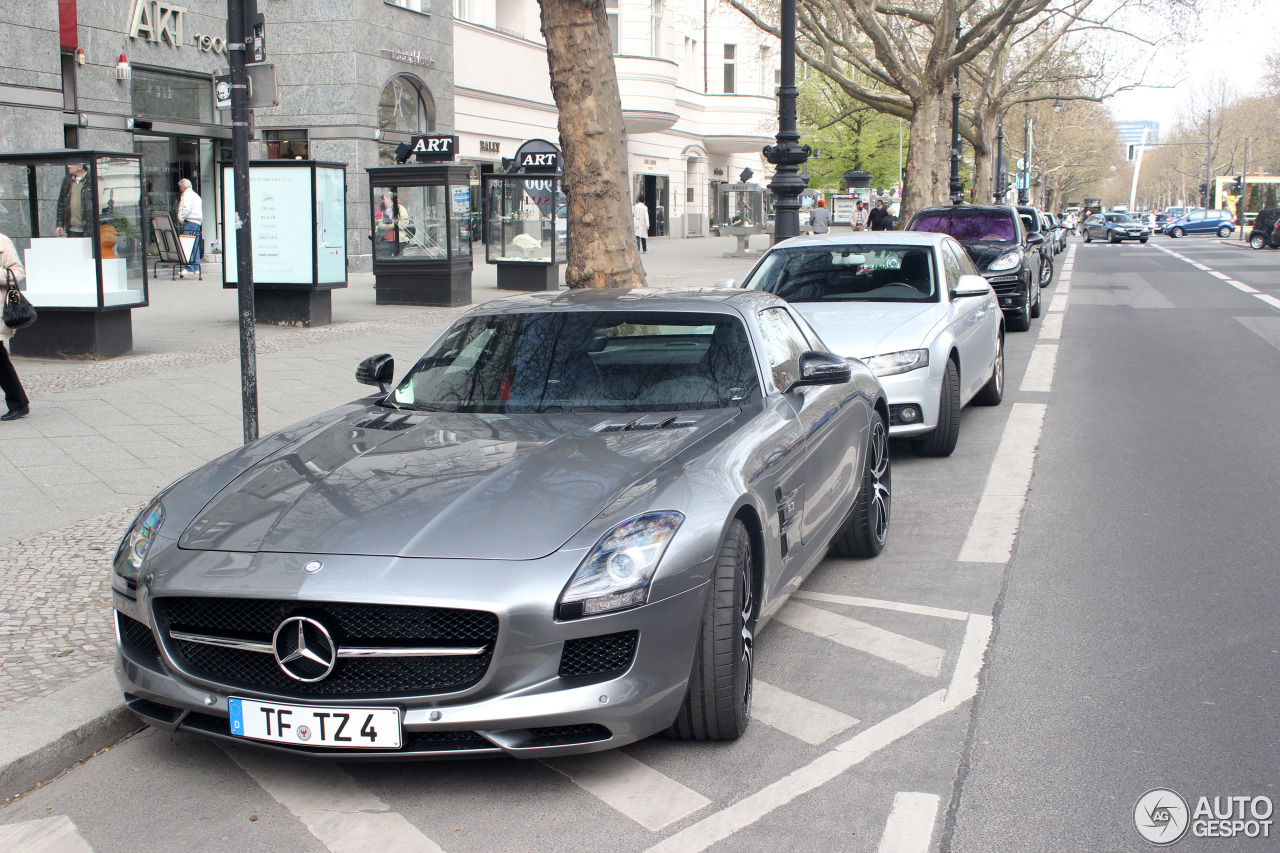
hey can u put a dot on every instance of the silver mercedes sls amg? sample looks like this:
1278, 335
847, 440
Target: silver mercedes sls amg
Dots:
558, 533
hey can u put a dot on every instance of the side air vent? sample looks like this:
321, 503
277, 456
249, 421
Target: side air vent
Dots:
646, 423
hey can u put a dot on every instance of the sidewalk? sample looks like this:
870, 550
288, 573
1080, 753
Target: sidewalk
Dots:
103, 437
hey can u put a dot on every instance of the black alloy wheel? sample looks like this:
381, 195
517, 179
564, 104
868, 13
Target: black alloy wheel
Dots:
993, 392
867, 528
717, 702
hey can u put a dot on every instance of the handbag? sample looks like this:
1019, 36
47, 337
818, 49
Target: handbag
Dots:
18, 310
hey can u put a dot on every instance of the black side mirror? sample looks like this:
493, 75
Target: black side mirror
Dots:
377, 370
1035, 239
823, 368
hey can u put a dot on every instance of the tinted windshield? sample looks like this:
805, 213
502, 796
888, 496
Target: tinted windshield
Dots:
584, 361
1120, 217
990, 225
848, 273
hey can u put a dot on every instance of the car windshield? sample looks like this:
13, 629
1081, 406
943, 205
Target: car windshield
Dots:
1121, 218
605, 361
848, 273
989, 225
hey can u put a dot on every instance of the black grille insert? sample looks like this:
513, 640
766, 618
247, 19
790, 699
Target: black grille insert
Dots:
349, 624
596, 655
137, 639
566, 735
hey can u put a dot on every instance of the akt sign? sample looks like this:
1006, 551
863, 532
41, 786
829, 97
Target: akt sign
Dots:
157, 21
433, 149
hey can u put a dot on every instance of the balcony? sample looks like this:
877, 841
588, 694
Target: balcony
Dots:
648, 89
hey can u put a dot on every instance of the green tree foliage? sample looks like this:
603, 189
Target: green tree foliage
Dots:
849, 135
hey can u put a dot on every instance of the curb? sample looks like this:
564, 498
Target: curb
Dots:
49, 734
1237, 244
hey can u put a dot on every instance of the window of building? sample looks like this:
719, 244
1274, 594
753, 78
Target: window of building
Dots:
730, 82
411, 5
169, 95
655, 29
286, 144
611, 14
69, 82
691, 75
464, 10
405, 107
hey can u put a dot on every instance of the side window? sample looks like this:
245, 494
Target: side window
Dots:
951, 264
1196, 217
783, 344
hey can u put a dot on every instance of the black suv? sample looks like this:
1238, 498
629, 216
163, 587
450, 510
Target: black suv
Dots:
1004, 252
1266, 229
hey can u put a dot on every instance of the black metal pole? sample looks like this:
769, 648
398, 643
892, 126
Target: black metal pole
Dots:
1000, 170
957, 186
1242, 206
1208, 161
244, 236
1025, 189
788, 155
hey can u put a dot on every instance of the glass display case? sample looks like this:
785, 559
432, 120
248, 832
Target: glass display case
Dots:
76, 218
525, 219
741, 214
420, 228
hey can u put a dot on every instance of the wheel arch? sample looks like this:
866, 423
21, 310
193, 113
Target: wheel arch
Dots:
750, 518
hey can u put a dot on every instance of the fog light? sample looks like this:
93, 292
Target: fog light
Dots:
909, 414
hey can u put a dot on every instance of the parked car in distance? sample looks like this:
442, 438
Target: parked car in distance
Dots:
1034, 222
909, 304
1266, 229
569, 496
1057, 232
1158, 222
1115, 228
1175, 212
998, 244
1218, 222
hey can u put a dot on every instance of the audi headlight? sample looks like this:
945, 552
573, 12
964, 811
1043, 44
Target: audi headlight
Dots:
1007, 261
893, 363
617, 572
134, 547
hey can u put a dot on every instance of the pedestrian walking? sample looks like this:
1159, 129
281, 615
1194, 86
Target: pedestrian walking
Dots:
14, 396
190, 213
75, 202
860, 218
879, 217
640, 219
821, 219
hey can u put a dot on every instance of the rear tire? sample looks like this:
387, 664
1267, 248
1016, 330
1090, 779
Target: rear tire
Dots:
993, 392
717, 702
1224, 231
942, 441
1046, 272
1257, 241
867, 529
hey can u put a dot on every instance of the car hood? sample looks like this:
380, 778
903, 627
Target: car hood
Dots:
864, 329
379, 482
984, 253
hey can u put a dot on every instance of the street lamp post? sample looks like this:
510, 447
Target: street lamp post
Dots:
1024, 185
957, 187
788, 155
1000, 169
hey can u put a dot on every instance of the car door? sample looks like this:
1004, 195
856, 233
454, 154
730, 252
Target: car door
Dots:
1195, 222
971, 319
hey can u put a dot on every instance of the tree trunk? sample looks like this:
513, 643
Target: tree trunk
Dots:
984, 156
602, 246
921, 154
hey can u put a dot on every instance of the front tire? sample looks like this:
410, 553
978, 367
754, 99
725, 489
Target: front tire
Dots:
1034, 310
867, 529
1224, 231
1088, 238
942, 441
717, 702
993, 392
1142, 239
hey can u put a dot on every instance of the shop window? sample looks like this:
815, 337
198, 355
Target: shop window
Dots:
405, 107
730, 81
286, 144
167, 95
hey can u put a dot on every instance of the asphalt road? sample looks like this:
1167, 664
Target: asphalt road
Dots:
1128, 626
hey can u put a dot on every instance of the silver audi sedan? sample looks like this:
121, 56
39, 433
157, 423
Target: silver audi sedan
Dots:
559, 532
913, 307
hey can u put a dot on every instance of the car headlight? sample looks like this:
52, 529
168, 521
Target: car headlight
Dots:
893, 363
135, 545
616, 574
1007, 261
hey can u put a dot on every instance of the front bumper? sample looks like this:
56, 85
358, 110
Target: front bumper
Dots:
521, 707
918, 388
1011, 287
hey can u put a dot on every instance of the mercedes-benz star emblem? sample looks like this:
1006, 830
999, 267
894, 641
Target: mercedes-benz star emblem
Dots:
303, 649
313, 567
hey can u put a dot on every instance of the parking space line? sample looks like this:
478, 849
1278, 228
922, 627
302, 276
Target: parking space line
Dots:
910, 825
1241, 286
916, 656
55, 834
797, 716
995, 523
714, 828
1059, 303
631, 787
1270, 300
1040, 367
1217, 274
335, 808
1051, 326
856, 601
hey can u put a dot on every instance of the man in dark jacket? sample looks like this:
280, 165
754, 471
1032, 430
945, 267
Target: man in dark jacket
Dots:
75, 203
880, 217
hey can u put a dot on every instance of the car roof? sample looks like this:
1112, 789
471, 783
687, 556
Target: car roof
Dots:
711, 300
866, 238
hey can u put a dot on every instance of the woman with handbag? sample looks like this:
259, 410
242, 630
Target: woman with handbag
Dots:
14, 275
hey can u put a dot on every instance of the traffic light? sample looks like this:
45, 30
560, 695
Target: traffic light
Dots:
1238, 186
1131, 152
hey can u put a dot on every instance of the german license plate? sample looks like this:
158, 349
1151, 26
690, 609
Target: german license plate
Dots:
307, 725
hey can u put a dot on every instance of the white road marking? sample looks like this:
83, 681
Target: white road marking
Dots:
1239, 285
1198, 266
1059, 303
1217, 274
1270, 300
855, 601
999, 514
910, 825
1044, 358
334, 807
55, 834
797, 716
1051, 326
914, 655
1244, 288
719, 826
631, 787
